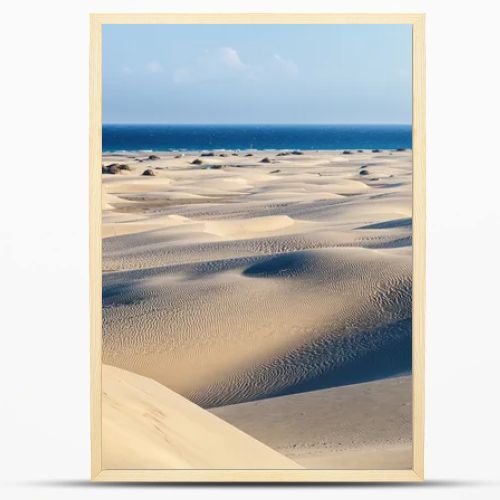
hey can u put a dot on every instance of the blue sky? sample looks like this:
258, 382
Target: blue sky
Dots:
257, 74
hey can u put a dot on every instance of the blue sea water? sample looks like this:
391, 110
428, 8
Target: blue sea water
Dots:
206, 137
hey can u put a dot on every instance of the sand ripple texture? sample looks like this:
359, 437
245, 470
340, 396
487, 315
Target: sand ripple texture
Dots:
236, 280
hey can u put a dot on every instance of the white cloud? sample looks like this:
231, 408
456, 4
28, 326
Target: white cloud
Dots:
215, 64
286, 65
154, 67
224, 63
230, 58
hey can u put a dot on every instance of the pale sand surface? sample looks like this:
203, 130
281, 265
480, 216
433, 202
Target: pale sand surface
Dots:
361, 426
255, 280
147, 426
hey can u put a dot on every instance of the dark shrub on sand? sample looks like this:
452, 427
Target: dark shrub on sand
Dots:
265, 160
401, 149
153, 157
123, 166
283, 153
249, 154
148, 172
207, 154
297, 152
375, 150
222, 155
364, 172
275, 171
196, 162
110, 169
235, 154
347, 152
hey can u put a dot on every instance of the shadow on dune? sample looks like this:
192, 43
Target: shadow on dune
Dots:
393, 357
363, 337
330, 361
390, 224
287, 265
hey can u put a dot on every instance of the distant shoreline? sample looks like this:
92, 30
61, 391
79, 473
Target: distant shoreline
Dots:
137, 152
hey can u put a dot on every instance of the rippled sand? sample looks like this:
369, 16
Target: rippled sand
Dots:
236, 281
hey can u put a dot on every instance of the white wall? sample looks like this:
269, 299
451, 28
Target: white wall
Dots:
44, 450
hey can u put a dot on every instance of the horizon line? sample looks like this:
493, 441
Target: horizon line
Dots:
257, 124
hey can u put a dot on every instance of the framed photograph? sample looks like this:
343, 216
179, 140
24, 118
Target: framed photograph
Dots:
257, 247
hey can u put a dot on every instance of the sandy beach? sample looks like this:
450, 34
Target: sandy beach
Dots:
272, 289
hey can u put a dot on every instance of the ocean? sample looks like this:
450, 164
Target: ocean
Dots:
150, 138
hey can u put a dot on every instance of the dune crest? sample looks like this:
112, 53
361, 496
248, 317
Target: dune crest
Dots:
147, 426
241, 228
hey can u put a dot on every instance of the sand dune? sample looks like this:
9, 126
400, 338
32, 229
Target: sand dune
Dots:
147, 426
297, 316
235, 280
361, 426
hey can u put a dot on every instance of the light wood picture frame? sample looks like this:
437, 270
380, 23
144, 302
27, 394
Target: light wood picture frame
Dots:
416, 473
